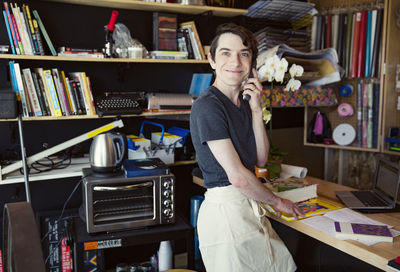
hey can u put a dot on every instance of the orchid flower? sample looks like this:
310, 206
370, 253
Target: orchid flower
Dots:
293, 85
296, 70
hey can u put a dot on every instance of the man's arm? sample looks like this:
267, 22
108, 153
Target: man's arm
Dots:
243, 179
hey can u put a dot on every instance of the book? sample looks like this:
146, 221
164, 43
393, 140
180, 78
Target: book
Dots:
164, 31
295, 190
10, 24
14, 68
368, 232
45, 34
367, 63
17, 34
86, 95
67, 89
9, 32
55, 104
27, 29
375, 113
356, 44
40, 94
370, 114
311, 207
199, 83
195, 39
27, 77
362, 44
32, 30
62, 96
22, 93
377, 45
38, 37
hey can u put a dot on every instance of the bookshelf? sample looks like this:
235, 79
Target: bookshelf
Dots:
342, 7
153, 6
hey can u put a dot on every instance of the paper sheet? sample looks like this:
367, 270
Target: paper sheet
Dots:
325, 222
292, 171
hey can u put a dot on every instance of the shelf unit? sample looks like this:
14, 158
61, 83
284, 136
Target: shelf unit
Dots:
383, 79
153, 6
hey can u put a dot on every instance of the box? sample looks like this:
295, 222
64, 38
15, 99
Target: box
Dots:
168, 139
8, 105
142, 148
137, 143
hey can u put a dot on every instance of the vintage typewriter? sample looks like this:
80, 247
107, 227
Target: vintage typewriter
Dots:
120, 103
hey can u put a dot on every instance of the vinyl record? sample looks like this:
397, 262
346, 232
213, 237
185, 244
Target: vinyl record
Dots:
344, 134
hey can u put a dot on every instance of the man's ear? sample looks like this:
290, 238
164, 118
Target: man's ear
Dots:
210, 60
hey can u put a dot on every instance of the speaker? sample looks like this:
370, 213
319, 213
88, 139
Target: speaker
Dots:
8, 104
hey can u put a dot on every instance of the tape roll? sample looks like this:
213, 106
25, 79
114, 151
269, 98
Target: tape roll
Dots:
346, 90
344, 134
345, 110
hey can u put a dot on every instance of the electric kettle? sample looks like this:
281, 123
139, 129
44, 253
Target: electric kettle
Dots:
107, 153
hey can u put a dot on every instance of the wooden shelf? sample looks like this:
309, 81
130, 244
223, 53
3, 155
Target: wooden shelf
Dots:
334, 146
153, 6
82, 117
56, 58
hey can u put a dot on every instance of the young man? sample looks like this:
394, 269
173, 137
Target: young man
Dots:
229, 137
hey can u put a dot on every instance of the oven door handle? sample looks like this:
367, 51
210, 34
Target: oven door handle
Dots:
122, 188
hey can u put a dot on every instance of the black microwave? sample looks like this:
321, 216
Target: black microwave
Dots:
120, 203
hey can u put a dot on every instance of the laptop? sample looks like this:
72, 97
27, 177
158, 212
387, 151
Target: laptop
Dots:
384, 192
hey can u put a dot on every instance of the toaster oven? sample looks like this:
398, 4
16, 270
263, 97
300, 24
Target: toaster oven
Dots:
118, 203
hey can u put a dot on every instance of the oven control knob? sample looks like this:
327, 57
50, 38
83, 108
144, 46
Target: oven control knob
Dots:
167, 202
167, 193
167, 212
167, 184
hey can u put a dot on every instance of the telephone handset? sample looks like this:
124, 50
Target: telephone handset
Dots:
253, 65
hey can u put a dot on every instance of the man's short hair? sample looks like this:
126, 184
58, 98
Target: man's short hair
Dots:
246, 35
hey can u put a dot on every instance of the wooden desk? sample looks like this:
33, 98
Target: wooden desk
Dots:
377, 255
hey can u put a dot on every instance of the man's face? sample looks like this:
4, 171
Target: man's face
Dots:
232, 62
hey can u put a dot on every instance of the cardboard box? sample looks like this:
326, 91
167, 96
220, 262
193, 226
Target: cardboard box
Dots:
168, 139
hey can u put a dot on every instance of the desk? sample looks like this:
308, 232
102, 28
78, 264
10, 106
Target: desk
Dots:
376, 255
154, 234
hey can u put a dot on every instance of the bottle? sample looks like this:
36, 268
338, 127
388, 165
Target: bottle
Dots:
165, 256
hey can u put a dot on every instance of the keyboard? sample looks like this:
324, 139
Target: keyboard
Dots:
369, 199
120, 103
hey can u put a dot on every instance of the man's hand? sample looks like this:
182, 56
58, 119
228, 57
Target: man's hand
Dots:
287, 206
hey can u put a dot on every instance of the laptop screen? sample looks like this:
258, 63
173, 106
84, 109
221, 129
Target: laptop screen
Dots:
387, 178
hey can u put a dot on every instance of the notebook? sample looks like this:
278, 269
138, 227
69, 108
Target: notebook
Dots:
384, 192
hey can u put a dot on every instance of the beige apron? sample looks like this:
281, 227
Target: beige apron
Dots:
234, 235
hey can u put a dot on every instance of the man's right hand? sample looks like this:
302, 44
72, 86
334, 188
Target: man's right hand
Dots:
287, 206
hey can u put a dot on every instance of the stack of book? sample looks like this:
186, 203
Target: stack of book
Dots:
355, 36
50, 92
168, 55
25, 30
189, 41
79, 52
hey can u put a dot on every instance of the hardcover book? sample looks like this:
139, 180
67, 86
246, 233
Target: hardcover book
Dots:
311, 207
164, 31
295, 190
365, 232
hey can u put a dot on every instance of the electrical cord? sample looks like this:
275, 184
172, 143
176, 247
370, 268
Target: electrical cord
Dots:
48, 164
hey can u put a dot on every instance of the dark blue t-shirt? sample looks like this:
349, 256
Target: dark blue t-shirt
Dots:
215, 117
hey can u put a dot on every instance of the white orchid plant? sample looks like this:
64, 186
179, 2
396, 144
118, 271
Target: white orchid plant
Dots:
272, 68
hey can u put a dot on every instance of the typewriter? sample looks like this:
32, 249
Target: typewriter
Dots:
120, 103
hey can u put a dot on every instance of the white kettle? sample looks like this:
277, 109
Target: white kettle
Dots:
107, 153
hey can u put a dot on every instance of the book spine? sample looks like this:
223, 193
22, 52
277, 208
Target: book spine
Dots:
24, 99
53, 93
10, 24
42, 80
20, 93
359, 114
367, 63
22, 30
43, 29
362, 44
377, 43
27, 28
370, 115
9, 32
372, 40
348, 43
32, 30
356, 38
76, 85
42, 88
32, 92
28, 99
74, 96
39, 94
88, 100
91, 94
68, 92
38, 37
328, 31
365, 115
60, 92
20, 46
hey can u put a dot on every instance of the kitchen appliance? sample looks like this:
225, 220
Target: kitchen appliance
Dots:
118, 203
107, 153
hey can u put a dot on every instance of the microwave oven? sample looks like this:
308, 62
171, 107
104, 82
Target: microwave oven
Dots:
120, 203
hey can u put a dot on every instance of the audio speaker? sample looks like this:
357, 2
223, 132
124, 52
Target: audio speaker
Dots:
8, 105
